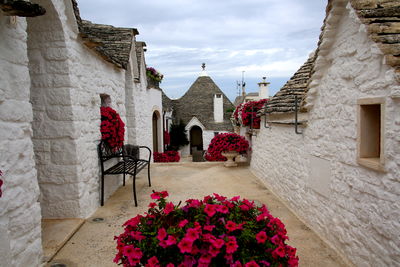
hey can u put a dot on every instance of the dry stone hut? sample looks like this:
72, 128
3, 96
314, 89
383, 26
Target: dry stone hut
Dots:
340, 172
55, 69
205, 110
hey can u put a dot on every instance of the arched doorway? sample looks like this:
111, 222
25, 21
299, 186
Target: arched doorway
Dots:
155, 131
196, 138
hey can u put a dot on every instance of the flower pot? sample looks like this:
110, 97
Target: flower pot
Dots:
230, 155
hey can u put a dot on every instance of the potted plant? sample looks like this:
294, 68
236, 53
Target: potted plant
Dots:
214, 231
154, 77
226, 146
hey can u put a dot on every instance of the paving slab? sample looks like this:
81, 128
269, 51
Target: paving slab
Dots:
93, 244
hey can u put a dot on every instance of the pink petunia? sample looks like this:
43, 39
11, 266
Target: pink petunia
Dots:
231, 245
171, 240
236, 198
192, 234
210, 210
251, 264
182, 223
208, 227
169, 207
185, 245
152, 205
230, 226
137, 235
162, 234
153, 262
261, 237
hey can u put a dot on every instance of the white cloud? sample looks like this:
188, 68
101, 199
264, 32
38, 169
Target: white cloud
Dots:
262, 37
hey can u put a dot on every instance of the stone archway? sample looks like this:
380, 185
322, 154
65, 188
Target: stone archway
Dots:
196, 138
54, 137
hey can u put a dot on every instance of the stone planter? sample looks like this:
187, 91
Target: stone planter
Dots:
230, 155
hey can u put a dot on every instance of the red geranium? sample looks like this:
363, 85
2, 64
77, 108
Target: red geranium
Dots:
112, 128
193, 236
168, 156
226, 142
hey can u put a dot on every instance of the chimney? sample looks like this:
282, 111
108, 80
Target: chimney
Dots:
263, 88
218, 108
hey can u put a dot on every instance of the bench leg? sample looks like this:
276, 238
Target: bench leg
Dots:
134, 189
148, 174
124, 180
102, 190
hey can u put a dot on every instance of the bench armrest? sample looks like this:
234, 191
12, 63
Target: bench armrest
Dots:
145, 147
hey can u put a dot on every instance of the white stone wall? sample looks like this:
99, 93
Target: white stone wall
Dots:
67, 80
20, 225
354, 208
146, 101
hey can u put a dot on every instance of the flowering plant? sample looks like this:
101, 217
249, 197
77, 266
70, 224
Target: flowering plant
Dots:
168, 156
246, 112
112, 128
226, 142
215, 231
153, 74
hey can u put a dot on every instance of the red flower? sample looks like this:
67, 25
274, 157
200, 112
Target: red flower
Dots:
192, 234
230, 226
153, 262
171, 240
261, 237
112, 128
231, 245
137, 235
182, 223
210, 210
162, 234
185, 245
279, 252
169, 207
251, 264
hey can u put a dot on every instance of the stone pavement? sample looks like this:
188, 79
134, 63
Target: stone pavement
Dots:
93, 244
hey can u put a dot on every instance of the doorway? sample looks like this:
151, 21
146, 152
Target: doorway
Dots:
155, 131
196, 138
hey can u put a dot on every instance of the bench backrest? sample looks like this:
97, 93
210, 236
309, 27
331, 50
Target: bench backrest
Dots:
106, 152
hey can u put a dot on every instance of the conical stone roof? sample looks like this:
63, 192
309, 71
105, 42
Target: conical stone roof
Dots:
198, 101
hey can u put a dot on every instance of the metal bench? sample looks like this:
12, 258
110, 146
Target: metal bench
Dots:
127, 163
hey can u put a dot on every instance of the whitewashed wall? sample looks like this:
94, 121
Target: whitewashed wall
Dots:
354, 208
67, 80
20, 225
146, 101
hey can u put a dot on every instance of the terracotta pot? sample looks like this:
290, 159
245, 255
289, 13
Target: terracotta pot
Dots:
230, 155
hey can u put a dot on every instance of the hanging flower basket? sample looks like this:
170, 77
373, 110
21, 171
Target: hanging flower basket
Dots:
215, 231
246, 114
112, 128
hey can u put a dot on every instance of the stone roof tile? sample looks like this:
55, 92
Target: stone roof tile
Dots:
113, 44
198, 102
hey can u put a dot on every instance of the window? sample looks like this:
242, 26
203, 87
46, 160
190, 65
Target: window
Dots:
370, 138
105, 100
218, 95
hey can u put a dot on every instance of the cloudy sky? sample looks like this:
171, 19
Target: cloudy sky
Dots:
270, 38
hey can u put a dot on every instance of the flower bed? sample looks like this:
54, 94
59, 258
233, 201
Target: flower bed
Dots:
246, 111
168, 156
215, 231
112, 128
226, 142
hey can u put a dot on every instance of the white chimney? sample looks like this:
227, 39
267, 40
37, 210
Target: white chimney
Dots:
263, 90
218, 108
